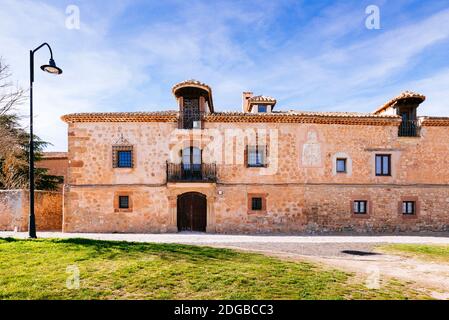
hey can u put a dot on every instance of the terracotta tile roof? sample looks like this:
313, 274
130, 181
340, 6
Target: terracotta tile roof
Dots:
231, 116
306, 113
196, 84
157, 116
435, 121
190, 82
262, 99
402, 96
305, 117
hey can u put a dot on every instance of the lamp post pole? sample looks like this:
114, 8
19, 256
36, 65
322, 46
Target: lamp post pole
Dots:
51, 68
32, 219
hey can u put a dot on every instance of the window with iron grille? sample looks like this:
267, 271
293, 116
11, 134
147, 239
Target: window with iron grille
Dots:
360, 207
341, 165
122, 157
408, 207
257, 156
383, 165
123, 202
256, 204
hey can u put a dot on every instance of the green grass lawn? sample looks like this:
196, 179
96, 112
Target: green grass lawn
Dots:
36, 269
437, 253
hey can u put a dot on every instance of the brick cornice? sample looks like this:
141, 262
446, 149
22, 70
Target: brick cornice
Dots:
435, 122
343, 118
161, 116
317, 118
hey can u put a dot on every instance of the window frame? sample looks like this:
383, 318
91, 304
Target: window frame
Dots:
116, 149
345, 162
406, 207
257, 148
368, 206
256, 203
382, 156
117, 196
357, 211
417, 207
263, 197
121, 162
120, 197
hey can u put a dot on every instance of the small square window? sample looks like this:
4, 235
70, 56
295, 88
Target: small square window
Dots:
341, 165
122, 156
124, 159
408, 207
256, 204
360, 207
123, 202
383, 165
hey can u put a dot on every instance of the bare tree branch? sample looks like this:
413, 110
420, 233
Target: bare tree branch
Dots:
10, 96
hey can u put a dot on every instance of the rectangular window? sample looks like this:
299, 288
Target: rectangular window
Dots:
124, 159
408, 207
262, 108
122, 156
256, 156
123, 202
360, 207
256, 204
383, 165
341, 165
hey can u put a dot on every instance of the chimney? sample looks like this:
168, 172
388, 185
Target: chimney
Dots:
245, 104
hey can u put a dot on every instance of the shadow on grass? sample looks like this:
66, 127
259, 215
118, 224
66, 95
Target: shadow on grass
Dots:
110, 249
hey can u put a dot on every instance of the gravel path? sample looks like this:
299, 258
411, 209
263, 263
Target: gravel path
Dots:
205, 238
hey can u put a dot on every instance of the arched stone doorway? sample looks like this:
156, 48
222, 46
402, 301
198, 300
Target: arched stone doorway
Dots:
192, 212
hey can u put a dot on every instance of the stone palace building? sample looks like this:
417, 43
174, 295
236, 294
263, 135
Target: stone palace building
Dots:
257, 171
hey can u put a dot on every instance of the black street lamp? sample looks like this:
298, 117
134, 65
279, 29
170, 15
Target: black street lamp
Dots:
50, 68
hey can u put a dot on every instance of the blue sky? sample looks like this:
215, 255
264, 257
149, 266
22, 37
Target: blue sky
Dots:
310, 55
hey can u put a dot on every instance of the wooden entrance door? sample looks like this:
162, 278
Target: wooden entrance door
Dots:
192, 212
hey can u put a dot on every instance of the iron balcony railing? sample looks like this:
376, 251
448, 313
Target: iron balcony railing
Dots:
181, 172
189, 119
409, 128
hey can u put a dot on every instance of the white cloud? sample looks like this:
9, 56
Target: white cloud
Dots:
329, 63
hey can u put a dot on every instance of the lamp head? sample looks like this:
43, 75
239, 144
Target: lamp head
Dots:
51, 67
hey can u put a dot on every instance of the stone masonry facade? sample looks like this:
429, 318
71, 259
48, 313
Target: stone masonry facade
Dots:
311, 171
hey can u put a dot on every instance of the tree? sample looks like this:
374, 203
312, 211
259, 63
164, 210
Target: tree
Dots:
14, 142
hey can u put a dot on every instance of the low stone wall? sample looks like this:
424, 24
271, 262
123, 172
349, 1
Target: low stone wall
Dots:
14, 210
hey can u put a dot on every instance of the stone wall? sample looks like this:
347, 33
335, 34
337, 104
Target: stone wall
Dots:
326, 208
303, 190
91, 209
14, 210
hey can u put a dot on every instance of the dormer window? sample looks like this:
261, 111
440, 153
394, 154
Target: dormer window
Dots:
194, 100
257, 104
405, 106
262, 108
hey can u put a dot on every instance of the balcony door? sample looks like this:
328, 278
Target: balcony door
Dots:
191, 162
